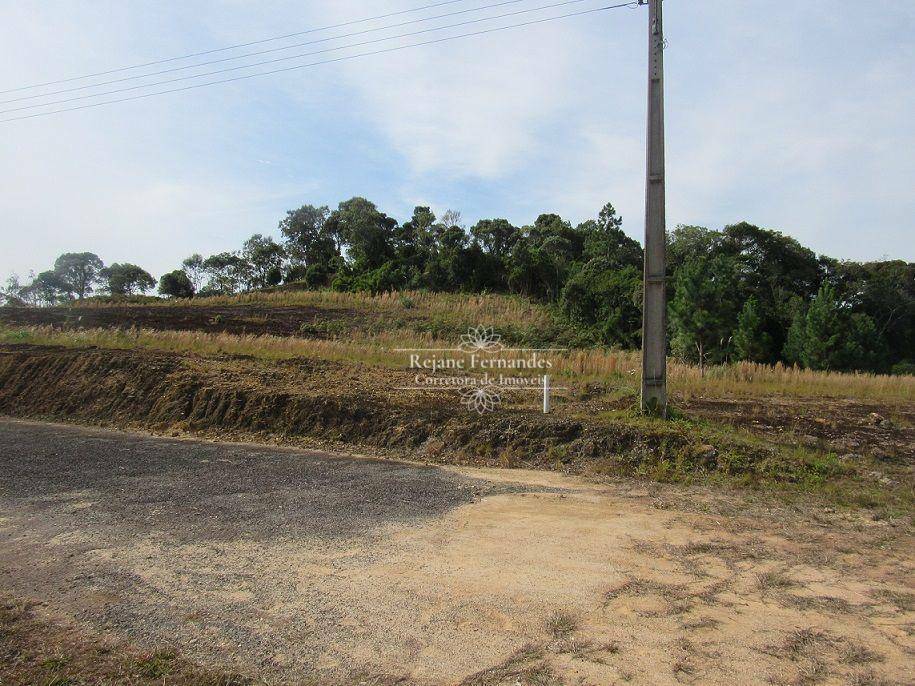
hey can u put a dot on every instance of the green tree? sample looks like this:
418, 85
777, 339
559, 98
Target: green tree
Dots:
263, 261
751, 341
497, 237
773, 268
606, 302
387, 277
703, 310
885, 292
415, 245
455, 264
366, 233
176, 284
127, 279
307, 239
824, 344
194, 268
544, 257
865, 348
605, 238
46, 288
225, 273
837, 338
796, 338
687, 244
12, 291
78, 273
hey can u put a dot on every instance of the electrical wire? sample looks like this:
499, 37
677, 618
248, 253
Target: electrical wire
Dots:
233, 47
533, 22
287, 58
215, 72
259, 52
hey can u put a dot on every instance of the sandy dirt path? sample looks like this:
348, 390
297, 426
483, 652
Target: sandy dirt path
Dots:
293, 565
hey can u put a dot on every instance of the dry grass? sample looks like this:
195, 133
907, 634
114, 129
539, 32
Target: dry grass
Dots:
641, 586
856, 654
370, 350
743, 379
825, 604
526, 666
561, 625
617, 369
801, 642
774, 580
481, 308
34, 651
519, 314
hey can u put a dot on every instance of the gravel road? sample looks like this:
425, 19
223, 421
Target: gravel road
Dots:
305, 567
243, 555
193, 489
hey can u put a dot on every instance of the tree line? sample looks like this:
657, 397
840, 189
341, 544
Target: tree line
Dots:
742, 293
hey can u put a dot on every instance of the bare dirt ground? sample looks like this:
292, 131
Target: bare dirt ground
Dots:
301, 567
846, 453
239, 319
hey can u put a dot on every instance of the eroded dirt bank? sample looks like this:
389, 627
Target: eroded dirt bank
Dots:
291, 565
332, 404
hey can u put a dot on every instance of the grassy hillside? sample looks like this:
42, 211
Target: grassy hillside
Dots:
367, 328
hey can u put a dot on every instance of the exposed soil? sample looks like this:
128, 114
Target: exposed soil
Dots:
848, 427
238, 319
519, 577
331, 404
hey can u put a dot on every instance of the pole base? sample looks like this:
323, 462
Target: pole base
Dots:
654, 404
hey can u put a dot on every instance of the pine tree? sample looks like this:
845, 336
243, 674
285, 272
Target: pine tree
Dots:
751, 341
825, 333
701, 312
793, 352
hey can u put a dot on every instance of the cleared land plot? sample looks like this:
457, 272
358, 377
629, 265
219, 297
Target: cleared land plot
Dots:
288, 565
854, 452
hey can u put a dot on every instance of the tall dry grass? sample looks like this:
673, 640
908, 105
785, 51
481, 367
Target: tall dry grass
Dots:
742, 378
483, 308
619, 368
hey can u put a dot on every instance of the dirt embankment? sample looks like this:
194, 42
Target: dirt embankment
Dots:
326, 403
300, 399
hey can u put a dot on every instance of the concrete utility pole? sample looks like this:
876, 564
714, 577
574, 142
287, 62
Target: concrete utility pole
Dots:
654, 304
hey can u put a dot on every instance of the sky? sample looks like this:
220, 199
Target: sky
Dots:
798, 117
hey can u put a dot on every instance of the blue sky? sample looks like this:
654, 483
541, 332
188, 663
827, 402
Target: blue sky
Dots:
793, 116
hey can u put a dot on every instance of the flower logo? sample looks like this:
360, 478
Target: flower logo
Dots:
481, 339
480, 400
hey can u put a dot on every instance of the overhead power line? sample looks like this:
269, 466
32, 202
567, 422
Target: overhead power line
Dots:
260, 52
321, 62
234, 47
226, 70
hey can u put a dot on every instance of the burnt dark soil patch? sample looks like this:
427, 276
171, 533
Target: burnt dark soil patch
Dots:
310, 402
846, 427
237, 320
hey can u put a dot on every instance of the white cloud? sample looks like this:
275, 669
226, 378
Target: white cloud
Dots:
793, 116
473, 107
138, 182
